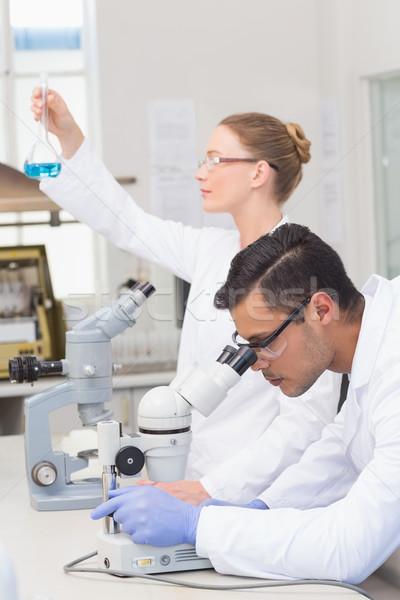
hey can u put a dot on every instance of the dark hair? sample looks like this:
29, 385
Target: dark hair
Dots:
287, 266
283, 145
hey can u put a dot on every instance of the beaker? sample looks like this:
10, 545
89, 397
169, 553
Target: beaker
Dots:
42, 160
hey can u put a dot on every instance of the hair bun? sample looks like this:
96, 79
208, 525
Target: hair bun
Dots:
300, 141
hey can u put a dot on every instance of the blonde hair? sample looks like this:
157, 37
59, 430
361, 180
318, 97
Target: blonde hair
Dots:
283, 145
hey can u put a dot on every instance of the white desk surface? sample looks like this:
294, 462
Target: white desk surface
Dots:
41, 543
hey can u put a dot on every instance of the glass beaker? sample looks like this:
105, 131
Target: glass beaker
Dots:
42, 160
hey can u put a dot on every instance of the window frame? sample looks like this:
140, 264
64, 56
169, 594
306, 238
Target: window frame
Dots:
9, 79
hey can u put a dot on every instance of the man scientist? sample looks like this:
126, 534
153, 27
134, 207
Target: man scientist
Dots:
335, 514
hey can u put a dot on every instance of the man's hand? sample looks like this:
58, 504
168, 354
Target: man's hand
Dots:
151, 516
187, 491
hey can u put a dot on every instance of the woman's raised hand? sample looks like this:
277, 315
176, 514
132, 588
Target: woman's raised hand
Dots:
60, 120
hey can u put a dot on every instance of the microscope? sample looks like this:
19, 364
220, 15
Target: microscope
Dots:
161, 445
89, 368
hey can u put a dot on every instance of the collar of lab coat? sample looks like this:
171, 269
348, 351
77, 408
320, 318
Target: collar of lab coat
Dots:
285, 219
378, 296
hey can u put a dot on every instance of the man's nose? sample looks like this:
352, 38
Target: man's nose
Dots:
261, 363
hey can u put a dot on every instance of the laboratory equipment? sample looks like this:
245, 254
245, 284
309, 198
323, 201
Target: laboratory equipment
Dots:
89, 368
161, 444
31, 319
42, 160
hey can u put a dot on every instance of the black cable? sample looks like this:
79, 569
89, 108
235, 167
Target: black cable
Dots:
71, 568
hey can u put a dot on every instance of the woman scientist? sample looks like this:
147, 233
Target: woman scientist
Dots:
253, 163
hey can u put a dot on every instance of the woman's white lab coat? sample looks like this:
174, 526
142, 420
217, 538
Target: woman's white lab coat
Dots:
202, 257
335, 515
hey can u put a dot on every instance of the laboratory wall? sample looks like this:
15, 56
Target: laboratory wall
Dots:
227, 56
291, 58
357, 42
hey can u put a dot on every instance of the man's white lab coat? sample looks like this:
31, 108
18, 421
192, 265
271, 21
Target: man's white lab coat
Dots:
336, 514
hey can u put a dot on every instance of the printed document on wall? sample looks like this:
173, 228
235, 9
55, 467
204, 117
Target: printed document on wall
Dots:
330, 133
332, 209
172, 140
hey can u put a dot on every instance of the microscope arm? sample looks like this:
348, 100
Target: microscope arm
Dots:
88, 365
47, 463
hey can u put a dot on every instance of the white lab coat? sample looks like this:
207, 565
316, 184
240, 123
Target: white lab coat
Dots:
202, 257
336, 514
300, 422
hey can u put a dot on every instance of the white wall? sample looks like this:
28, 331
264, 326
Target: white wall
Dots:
281, 57
228, 55
357, 39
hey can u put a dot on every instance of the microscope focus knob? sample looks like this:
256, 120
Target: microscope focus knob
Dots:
129, 460
44, 473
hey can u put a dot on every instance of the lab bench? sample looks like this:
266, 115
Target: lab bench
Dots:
41, 543
128, 389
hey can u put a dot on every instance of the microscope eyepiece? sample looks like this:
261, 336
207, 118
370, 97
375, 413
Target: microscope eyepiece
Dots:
28, 369
146, 288
242, 360
227, 353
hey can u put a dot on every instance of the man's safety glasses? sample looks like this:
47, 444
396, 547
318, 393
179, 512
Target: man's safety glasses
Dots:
271, 347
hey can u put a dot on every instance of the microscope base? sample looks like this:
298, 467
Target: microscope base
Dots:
117, 552
71, 497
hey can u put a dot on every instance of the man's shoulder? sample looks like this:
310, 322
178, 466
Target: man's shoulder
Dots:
378, 284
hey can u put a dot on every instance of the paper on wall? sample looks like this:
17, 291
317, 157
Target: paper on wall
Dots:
172, 140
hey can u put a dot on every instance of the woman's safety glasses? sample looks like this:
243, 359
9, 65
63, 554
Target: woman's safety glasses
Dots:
212, 161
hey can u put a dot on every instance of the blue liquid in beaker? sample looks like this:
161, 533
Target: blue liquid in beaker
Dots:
42, 170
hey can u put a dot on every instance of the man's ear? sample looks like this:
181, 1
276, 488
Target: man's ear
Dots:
261, 174
323, 309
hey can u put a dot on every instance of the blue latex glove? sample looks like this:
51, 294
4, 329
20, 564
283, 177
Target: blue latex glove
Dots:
151, 516
259, 504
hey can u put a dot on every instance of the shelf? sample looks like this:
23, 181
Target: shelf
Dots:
18, 193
